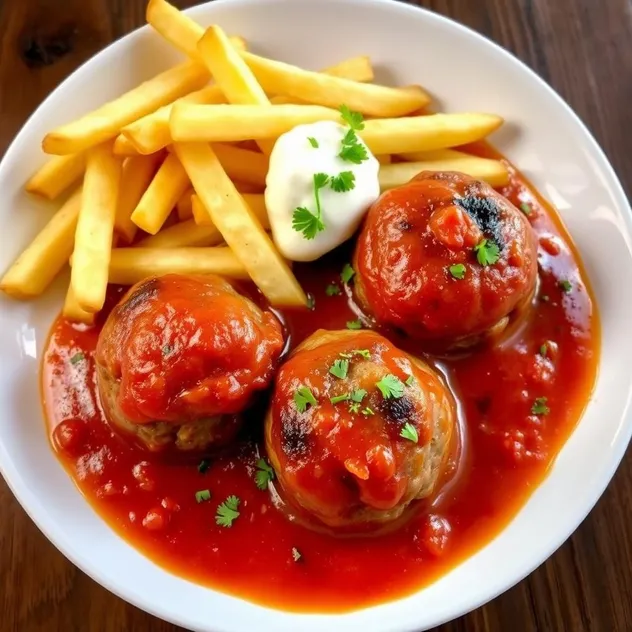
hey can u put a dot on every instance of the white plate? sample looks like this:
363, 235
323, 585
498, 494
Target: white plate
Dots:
466, 72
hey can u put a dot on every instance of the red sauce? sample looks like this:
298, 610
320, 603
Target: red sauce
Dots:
505, 451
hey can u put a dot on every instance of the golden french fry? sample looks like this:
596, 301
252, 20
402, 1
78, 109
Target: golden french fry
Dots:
163, 193
178, 29
184, 206
72, 310
256, 202
105, 122
95, 228
226, 123
186, 234
239, 226
241, 164
37, 266
283, 79
151, 133
426, 133
57, 175
137, 174
355, 69
492, 171
124, 147
130, 265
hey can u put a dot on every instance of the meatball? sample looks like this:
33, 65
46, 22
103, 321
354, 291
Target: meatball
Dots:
357, 429
180, 357
445, 258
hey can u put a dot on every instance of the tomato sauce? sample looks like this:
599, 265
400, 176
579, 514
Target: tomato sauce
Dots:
505, 449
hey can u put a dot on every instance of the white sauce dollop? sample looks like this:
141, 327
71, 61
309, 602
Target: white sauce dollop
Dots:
290, 185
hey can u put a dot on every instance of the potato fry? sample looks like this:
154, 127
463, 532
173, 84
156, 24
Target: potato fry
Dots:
492, 171
151, 133
241, 164
186, 234
184, 206
124, 147
355, 69
57, 175
239, 226
130, 265
161, 196
255, 201
95, 228
320, 89
178, 29
72, 310
37, 266
137, 174
226, 123
426, 133
105, 122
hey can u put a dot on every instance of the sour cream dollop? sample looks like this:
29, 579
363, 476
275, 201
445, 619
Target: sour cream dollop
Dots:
297, 156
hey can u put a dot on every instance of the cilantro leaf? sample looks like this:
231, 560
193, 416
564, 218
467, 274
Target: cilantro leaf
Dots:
566, 286
355, 153
368, 411
347, 273
340, 369
525, 208
202, 495
358, 395
544, 350
354, 324
354, 407
264, 474
332, 290
340, 398
303, 398
539, 407
409, 432
354, 120
410, 380
343, 182
304, 221
78, 357
227, 512
391, 386
487, 252
313, 142
320, 180
457, 271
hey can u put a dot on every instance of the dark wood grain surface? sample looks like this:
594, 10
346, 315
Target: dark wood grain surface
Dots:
583, 48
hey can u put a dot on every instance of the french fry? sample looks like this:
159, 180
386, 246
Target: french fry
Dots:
186, 234
137, 174
163, 193
493, 172
279, 78
130, 265
228, 123
239, 226
255, 201
355, 69
37, 266
241, 164
178, 29
57, 175
95, 228
184, 206
72, 310
151, 133
105, 122
124, 147
426, 133
384, 159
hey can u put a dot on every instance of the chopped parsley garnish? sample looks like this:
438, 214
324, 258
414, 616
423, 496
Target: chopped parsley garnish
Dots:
391, 386
332, 290
365, 353
78, 357
566, 286
303, 398
347, 273
227, 512
358, 395
296, 554
354, 120
354, 407
264, 474
526, 209
487, 252
409, 432
352, 148
303, 220
368, 411
343, 182
340, 398
354, 324
313, 142
340, 368
204, 465
457, 270
410, 380
311, 301
202, 495
544, 350
539, 407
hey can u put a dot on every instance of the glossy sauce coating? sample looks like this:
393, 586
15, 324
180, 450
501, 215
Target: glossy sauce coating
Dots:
505, 451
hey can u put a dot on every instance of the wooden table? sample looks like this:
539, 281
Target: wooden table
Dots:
583, 49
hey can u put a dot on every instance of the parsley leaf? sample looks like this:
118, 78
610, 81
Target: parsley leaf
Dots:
313, 142
304, 221
332, 290
365, 353
204, 465
355, 153
264, 474
368, 411
340, 369
354, 120
296, 554
457, 271
347, 273
409, 432
343, 182
566, 286
410, 380
340, 398
303, 398
358, 395
354, 324
320, 181
227, 512
391, 386
526, 209
539, 407
544, 350
354, 407
202, 495
78, 357
487, 252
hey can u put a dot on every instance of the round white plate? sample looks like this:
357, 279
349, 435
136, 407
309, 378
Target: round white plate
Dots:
465, 72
